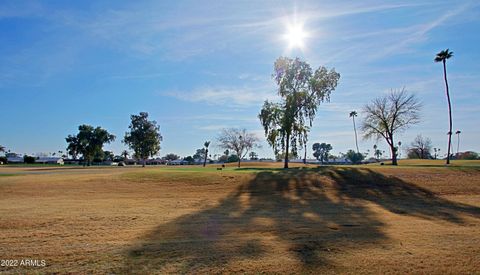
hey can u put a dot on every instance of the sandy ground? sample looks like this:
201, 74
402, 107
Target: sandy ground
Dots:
365, 219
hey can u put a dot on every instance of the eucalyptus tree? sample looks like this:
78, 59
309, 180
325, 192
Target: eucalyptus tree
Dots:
301, 91
144, 136
387, 115
321, 151
443, 56
353, 114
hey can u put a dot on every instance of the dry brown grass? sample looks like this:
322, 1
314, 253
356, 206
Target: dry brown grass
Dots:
182, 220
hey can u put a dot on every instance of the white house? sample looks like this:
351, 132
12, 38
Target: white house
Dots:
178, 162
15, 159
49, 160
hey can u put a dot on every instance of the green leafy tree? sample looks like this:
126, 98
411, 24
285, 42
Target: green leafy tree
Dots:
88, 142
253, 155
233, 158
206, 144
238, 140
321, 151
172, 156
199, 154
144, 137
354, 157
301, 90
353, 114
190, 159
443, 56
73, 146
108, 156
387, 115
28, 159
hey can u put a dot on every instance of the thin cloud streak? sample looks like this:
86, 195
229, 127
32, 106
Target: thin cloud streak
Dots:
227, 96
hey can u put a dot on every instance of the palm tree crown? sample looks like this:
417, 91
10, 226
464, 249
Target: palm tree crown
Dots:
353, 114
443, 55
206, 144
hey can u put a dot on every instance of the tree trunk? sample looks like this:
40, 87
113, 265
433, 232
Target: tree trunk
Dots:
205, 159
394, 153
458, 144
355, 130
305, 156
449, 111
239, 160
143, 162
285, 165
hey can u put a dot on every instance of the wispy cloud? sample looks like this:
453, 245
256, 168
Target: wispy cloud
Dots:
419, 33
139, 76
370, 45
227, 96
213, 127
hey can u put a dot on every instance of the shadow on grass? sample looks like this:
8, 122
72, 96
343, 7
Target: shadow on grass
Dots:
301, 214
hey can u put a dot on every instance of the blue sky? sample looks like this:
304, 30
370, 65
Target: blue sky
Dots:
199, 66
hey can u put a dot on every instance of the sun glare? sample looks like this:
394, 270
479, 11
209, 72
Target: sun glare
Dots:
296, 36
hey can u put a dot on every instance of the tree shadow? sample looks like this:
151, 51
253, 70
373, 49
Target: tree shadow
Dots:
310, 213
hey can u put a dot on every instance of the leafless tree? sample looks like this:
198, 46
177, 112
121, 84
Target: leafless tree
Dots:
420, 148
238, 140
390, 114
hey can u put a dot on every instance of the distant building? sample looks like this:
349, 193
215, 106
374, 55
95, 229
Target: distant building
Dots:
14, 159
50, 160
178, 162
130, 161
156, 161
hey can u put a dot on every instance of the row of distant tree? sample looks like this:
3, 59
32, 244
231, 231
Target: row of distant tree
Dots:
144, 138
422, 148
286, 122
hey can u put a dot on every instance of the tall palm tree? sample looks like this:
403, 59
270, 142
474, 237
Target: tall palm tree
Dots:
353, 114
206, 144
2, 148
442, 57
458, 132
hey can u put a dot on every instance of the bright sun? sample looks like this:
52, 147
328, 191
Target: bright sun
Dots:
295, 36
